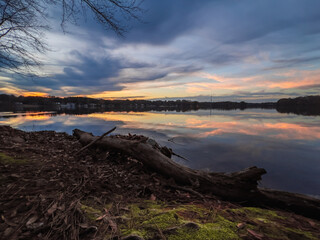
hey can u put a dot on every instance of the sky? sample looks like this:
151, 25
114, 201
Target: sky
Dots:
248, 50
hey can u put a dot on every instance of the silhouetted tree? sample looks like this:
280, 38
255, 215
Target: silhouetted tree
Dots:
23, 23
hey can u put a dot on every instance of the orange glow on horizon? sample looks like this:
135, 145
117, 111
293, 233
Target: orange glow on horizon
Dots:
218, 85
35, 94
34, 117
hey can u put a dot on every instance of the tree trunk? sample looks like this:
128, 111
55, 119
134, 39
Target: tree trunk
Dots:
238, 186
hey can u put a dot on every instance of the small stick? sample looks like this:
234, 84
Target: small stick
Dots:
161, 233
188, 190
94, 141
173, 153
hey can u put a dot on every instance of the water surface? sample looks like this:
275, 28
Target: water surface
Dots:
286, 145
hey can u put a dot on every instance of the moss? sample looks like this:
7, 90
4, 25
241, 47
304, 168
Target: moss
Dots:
5, 159
90, 212
258, 213
302, 234
267, 222
213, 231
264, 212
153, 220
150, 219
195, 212
220, 229
164, 220
141, 233
142, 219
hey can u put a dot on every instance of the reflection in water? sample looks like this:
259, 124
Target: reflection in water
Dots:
286, 145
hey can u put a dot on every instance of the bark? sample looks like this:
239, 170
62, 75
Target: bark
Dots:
239, 186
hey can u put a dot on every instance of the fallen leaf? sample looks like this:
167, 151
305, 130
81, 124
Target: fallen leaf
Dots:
62, 207
313, 224
32, 220
7, 232
83, 225
153, 197
15, 175
8, 222
113, 225
101, 217
241, 225
35, 225
52, 209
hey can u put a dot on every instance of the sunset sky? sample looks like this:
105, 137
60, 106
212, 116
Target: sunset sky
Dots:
255, 51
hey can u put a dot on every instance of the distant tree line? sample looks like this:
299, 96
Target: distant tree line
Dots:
309, 105
84, 102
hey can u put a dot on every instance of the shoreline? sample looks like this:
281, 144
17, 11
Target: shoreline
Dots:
47, 188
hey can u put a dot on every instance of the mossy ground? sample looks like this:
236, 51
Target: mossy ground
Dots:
157, 220
81, 187
6, 159
270, 224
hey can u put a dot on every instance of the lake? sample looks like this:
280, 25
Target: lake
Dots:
286, 145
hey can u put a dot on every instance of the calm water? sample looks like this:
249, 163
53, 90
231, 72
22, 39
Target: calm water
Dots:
286, 145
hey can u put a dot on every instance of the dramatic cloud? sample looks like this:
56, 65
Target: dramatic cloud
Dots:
188, 48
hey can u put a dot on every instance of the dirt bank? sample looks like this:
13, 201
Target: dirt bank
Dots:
48, 192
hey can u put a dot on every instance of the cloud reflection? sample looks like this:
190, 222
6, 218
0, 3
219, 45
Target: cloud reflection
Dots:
286, 145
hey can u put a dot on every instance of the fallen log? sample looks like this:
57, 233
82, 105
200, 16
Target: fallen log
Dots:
239, 186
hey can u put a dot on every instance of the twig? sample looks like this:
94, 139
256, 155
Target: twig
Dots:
161, 233
188, 190
173, 153
94, 141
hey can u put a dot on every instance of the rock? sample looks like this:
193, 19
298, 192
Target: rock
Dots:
41, 182
18, 139
133, 237
8, 232
191, 225
172, 230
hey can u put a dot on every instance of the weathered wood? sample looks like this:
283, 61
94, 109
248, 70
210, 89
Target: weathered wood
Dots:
233, 187
239, 186
94, 141
297, 203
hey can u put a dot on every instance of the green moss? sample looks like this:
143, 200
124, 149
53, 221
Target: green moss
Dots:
267, 222
90, 212
141, 233
302, 234
153, 220
258, 213
142, 219
215, 231
163, 220
150, 219
5, 159
264, 212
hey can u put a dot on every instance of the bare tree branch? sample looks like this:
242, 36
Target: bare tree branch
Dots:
23, 23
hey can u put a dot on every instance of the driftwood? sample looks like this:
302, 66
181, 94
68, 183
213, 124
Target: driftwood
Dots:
94, 141
239, 186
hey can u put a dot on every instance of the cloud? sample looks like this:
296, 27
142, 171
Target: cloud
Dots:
292, 62
250, 43
247, 96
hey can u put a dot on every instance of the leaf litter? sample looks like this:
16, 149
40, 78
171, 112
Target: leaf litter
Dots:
48, 192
